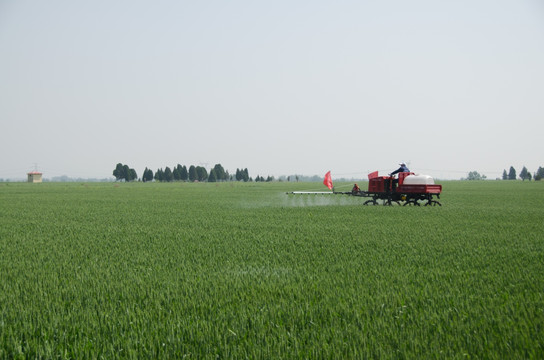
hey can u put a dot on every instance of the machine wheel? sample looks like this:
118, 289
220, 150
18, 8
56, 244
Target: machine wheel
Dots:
389, 202
433, 203
411, 203
370, 202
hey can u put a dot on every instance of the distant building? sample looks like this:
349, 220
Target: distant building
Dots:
34, 177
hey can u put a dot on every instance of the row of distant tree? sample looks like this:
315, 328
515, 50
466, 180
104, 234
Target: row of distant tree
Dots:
182, 173
511, 174
524, 174
218, 173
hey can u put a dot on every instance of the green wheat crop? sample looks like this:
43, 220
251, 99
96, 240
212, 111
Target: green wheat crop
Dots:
231, 270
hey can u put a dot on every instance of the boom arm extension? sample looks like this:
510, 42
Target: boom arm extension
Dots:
359, 193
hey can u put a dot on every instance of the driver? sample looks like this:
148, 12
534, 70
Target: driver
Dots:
403, 168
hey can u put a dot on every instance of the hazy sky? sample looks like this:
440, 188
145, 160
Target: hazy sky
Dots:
278, 87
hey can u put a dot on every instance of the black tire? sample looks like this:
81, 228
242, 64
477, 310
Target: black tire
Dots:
433, 203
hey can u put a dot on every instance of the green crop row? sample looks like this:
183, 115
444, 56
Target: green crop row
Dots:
234, 270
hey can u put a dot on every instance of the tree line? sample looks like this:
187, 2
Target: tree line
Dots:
511, 174
182, 173
524, 174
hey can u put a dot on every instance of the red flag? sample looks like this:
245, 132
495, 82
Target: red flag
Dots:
328, 180
373, 175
